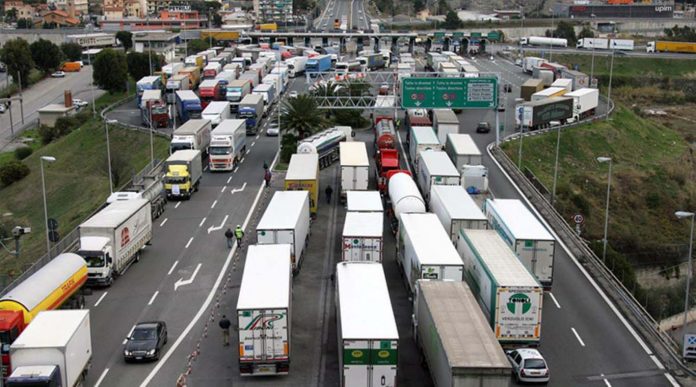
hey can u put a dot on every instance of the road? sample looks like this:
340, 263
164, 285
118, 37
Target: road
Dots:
350, 12
638, 52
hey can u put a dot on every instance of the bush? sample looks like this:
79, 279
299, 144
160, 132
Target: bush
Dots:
12, 171
23, 152
46, 134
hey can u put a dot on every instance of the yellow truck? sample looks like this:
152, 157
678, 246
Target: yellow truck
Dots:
184, 170
664, 46
267, 27
220, 35
303, 175
194, 74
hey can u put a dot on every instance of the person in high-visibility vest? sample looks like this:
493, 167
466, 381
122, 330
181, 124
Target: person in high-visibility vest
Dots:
239, 234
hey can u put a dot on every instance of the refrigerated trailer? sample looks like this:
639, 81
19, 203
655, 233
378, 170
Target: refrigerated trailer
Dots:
435, 168
363, 236
422, 138
462, 150
303, 175
355, 167
364, 201
456, 209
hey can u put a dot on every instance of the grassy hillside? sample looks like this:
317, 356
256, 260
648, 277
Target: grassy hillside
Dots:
626, 66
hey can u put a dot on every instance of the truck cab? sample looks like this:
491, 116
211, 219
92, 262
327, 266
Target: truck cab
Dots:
11, 325
32, 376
177, 181
97, 252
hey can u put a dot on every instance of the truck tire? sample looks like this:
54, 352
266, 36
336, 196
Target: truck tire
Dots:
137, 257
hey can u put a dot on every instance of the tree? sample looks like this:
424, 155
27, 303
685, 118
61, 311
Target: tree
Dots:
17, 56
217, 20
139, 64
301, 116
25, 23
452, 21
443, 7
418, 5
11, 15
197, 45
586, 33
111, 70
46, 55
126, 39
72, 51
566, 31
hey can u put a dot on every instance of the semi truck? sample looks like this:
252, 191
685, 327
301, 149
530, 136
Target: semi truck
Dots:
509, 295
325, 144
151, 82
538, 114
580, 79
251, 76
371, 61
211, 70
227, 145
435, 168
621, 44
422, 138
264, 311
453, 336
529, 87
364, 201
57, 284
444, 123
276, 81
543, 41
194, 75
303, 175
55, 350
174, 84
318, 64
564, 83
194, 134
668, 46
172, 69
544, 74
456, 209
210, 90
362, 237
585, 102
404, 196
355, 167
296, 66
251, 109
425, 251
286, 220
462, 150
236, 91
183, 172
153, 111
188, 105
592, 43
148, 185
216, 112
111, 240
367, 351
530, 62
525, 234
548, 93
268, 92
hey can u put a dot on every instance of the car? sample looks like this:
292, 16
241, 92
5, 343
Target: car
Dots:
58, 74
501, 106
518, 62
384, 89
483, 127
79, 102
2, 108
273, 129
293, 94
145, 341
507, 88
528, 365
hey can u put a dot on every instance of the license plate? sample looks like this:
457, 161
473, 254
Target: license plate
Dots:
138, 358
266, 369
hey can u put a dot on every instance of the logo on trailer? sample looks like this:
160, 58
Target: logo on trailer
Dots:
263, 321
125, 236
519, 303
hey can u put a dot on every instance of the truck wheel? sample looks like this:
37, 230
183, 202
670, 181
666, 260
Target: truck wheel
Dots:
109, 281
137, 256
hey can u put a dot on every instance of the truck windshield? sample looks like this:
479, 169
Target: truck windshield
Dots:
177, 146
195, 114
219, 150
93, 258
175, 180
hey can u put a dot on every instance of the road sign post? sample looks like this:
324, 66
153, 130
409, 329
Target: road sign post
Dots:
449, 93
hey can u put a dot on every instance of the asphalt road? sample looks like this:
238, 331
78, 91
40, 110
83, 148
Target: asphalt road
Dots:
348, 11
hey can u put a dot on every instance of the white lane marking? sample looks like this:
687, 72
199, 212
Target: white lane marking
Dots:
241, 161
213, 205
100, 299
128, 335
253, 143
101, 377
206, 167
606, 382
657, 362
554, 300
577, 336
177, 204
235, 170
189, 242
152, 299
247, 152
172, 268
229, 179
235, 190
257, 136
182, 282
211, 295
212, 228
163, 222
671, 379
223, 189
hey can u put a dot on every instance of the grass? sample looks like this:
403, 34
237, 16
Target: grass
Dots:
627, 66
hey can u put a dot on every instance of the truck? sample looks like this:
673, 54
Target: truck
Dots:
549, 92
425, 251
433, 60
251, 109
183, 172
318, 64
276, 81
152, 82
475, 180
55, 350
260, 69
538, 114
236, 91
509, 295
453, 335
172, 69
435, 168
592, 43
111, 240
564, 83
456, 209
194, 134
364, 201
325, 144
216, 112
621, 44
251, 76
211, 70
268, 92
195, 61
227, 145
585, 102
303, 175
296, 66
524, 233
286, 220
404, 196
188, 105
580, 79
264, 314
362, 237
344, 67
543, 41
367, 352
355, 167
174, 84
225, 78
444, 123
194, 74
462, 150
667, 46
423, 138
543, 73
148, 185
59, 282
69, 67
373, 61
210, 90
529, 62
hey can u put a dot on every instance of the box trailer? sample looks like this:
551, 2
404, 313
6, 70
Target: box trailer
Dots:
585, 102
355, 167
444, 123
529, 87
264, 311
363, 236
368, 340
456, 209
425, 251
525, 234
565, 83
621, 44
286, 220
436, 168
455, 339
194, 134
510, 296
548, 93
592, 43
530, 62
303, 175
538, 114
227, 145
462, 150
422, 138
364, 201
580, 79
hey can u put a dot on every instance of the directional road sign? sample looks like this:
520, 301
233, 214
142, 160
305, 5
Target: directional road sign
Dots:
452, 93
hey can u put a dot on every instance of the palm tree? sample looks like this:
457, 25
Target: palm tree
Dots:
301, 116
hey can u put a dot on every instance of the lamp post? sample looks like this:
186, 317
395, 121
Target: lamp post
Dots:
49, 159
606, 211
611, 71
552, 35
682, 215
555, 168
108, 152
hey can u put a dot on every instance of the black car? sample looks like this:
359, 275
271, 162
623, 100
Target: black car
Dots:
146, 341
483, 127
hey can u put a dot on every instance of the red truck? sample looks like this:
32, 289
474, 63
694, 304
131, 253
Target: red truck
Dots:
158, 113
386, 154
211, 90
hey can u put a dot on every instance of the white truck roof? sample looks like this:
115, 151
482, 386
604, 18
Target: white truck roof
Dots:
304, 166
209, 83
266, 264
263, 87
518, 219
186, 94
424, 135
228, 127
53, 328
192, 126
353, 153
430, 241
216, 107
498, 258
183, 155
463, 144
457, 202
115, 213
151, 94
581, 92
365, 306
550, 91
445, 116
363, 224
148, 79
438, 163
364, 201
283, 210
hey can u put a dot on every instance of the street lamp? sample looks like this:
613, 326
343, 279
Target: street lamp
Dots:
552, 36
682, 215
49, 159
108, 152
611, 71
606, 211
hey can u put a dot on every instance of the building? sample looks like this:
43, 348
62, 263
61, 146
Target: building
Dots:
163, 43
72, 7
154, 7
273, 10
24, 11
636, 10
95, 40
59, 18
162, 23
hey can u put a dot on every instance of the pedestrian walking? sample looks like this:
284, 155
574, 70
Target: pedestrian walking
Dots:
228, 235
239, 234
265, 165
328, 192
267, 177
225, 325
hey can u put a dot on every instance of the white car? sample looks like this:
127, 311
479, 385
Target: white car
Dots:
293, 94
79, 103
528, 365
272, 130
58, 74
2, 107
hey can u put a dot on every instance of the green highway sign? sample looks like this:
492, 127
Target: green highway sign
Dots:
449, 93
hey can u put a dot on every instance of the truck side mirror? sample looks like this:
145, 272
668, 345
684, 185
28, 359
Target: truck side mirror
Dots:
108, 259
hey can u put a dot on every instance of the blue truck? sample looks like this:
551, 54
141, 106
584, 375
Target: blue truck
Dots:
251, 109
318, 64
188, 105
